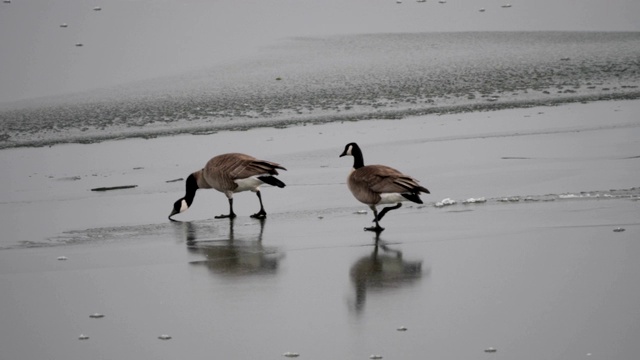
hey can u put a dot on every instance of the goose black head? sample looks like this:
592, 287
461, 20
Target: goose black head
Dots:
182, 204
354, 150
349, 149
178, 207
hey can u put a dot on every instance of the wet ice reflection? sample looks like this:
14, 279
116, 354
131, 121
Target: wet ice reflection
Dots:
231, 254
383, 269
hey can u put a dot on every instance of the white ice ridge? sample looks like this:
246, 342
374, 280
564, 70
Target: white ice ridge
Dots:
446, 202
475, 200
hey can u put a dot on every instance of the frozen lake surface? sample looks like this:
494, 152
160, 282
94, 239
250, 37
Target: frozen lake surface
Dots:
344, 78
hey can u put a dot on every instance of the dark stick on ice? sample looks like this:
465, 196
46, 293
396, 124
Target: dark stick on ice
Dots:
114, 188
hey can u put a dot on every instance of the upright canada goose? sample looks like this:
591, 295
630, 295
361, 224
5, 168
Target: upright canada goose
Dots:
230, 173
379, 184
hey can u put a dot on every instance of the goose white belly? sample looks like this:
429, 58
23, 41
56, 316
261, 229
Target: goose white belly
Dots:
391, 198
250, 183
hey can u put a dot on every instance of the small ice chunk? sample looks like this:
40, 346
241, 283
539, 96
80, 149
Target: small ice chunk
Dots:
446, 202
361, 212
83, 337
402, 328
375, 356
62, 258
164, 337
475, 200
291, 354
490, 350
618, 229
96, 316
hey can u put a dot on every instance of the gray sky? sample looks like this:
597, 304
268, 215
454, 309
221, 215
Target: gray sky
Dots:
131, 40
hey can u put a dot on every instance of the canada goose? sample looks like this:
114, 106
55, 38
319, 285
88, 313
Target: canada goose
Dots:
230, 173
379, 184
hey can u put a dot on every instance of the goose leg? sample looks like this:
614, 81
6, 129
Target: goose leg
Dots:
377, 228
231, 214
388, 208
260, 214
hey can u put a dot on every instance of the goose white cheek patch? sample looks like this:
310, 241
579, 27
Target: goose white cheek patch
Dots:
184, 206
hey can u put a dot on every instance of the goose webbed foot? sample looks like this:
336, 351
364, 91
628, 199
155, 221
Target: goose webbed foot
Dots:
260, 215
377, 229
231, 214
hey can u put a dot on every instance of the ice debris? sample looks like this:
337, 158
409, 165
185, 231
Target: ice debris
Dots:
291, 354
62, 258
164, 337
402, 328
490, 350
375, 357
96, 316
361, 212
618, 229
446, 202
475, 200
83, 337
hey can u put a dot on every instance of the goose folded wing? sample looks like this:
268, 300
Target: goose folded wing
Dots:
381, 179
412, 185
245, 169
391, 184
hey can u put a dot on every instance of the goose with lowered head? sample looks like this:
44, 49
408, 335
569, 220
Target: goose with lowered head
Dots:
230, 173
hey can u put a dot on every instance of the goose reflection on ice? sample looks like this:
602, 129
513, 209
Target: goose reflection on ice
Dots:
232, 255
383, 269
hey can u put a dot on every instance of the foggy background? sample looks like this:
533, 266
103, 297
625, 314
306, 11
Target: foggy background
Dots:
132, 40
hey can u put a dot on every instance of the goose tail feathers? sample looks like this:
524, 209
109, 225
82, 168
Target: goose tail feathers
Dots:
272, 180
413, 197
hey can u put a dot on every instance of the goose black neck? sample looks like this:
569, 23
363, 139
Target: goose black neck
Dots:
191, 186
358, 160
